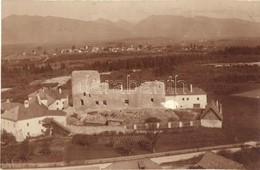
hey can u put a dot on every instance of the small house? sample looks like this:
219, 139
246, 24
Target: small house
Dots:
212, 115
25, 120
51, 98
214, 161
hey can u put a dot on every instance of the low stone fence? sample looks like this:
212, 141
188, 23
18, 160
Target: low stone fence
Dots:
169, 125
91, 130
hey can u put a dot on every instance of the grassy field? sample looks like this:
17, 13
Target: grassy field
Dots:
240, 112
251, 94
241, 123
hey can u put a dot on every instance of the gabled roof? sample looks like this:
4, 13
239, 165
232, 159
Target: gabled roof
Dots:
50, 95
214, 108
214, 161
51, 120
8, 105
20, 112
195, 91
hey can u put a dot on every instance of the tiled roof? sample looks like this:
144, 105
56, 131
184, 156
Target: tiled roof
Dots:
214, 108
20, 112
195, 91
8, 105
51, 120
50, 95
213, 161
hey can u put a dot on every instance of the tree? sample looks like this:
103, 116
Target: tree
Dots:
152, 135
45, 148
25, 150
169, 46
83, 140
9, 154
7, 138
152, 120
39, 48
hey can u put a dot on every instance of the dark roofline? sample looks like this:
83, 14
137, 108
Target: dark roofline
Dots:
196, 91
215, 109
9, 119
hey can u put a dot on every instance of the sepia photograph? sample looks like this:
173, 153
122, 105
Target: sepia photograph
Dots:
130, 84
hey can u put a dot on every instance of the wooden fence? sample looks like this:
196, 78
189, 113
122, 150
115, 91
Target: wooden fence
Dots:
169, 125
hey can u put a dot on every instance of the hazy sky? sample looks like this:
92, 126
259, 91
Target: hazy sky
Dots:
134, 10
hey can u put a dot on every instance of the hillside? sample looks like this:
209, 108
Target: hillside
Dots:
36, 29
191, 28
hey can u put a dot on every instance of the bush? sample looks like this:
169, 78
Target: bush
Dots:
83, 140
109, 144
152, 120
122, 150
25, 151
144, 144
108, 133
120, 133
7, 138
245, 156
45, 148
9, 154
172, 119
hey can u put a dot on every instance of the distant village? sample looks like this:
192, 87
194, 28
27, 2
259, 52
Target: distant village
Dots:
45, 58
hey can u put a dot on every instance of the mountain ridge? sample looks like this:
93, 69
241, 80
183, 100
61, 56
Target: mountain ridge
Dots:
50, 29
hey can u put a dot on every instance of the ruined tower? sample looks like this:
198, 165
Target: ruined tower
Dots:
83, 84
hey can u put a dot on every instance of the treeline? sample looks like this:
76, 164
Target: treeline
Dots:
166, 63
161, 64
240, 51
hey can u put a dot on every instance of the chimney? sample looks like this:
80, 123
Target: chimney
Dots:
38, 98
220, 108
26, 103
191, 90
60, 90
217, 103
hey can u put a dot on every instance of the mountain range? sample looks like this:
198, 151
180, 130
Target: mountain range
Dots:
22, 29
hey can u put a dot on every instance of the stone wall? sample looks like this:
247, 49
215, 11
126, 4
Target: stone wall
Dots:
89, 93
91, 130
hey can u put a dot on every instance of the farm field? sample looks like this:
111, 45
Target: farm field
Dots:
251, 94
59, 80
238, 111
236, 129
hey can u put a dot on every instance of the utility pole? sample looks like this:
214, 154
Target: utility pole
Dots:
175, 81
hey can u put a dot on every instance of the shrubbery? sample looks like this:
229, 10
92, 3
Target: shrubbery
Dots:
152, 120
7, 138
84, 140
245, 156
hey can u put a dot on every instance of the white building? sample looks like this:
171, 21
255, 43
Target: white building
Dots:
25, 120
184, 98
53, 99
